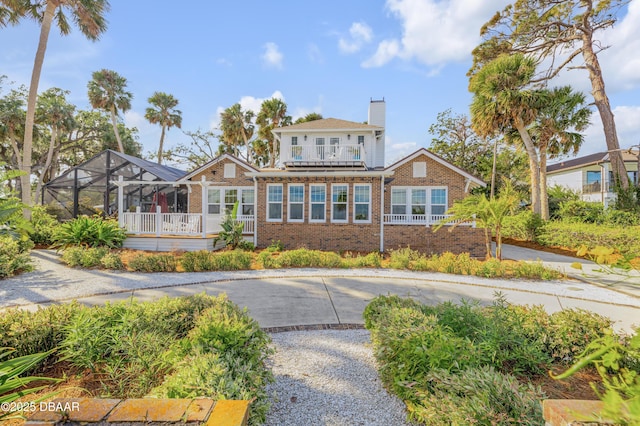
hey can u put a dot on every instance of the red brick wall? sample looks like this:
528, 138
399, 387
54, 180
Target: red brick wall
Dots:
320, 236
462, 239
215, 174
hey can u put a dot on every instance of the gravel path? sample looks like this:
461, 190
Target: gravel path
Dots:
328, 377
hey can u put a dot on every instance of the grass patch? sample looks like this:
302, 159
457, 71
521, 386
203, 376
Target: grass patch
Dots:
459, 364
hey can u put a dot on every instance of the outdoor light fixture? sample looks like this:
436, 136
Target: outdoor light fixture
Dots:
305, 137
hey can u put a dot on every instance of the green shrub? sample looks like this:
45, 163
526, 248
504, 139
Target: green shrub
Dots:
85, 257
621, 218
216, 261
300, 258
13, 259
523, 226
625, 240
112, 260
581, 211
153, 263
370, 260
481, 396
225, 358
30, 332
402, 258
89, 232
44, 225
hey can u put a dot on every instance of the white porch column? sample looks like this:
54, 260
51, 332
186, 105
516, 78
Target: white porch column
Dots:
158, 220
255, 211
203, 208
120, 201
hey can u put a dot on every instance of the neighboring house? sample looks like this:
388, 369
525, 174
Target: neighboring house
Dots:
591, 175
332, 191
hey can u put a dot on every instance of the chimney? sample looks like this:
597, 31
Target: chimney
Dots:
377, 113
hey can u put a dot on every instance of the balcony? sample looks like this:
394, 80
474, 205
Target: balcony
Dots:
422, 219
324, 155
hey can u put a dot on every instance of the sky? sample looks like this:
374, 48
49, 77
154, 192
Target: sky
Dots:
329, 57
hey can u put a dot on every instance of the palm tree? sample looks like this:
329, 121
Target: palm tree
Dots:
53, 110
237, 127
487, 213
107, 92
87, 14
500, 102
556, 131
273, 114
164, 114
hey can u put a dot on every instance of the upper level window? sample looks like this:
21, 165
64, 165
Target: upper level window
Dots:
339, 196
274, 202
320, 148
419, 169
360, 139
296, 203
362, 203
229, 170
317, 202
333, 145
294, 140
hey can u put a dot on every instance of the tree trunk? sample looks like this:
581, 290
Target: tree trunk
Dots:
494, 168
534, 165
47, 164
604, 106
498, 243
544, 196
114, 121
487, 242
27, 148
161, 145
246, 145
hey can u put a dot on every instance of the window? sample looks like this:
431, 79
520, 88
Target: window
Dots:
418, 201
229, 170
296, 203
274, 202
419, 169
230, 198
438, 201
339, 195
246, 202
296, 150
333, 145
362, 203
360, 139
294, 140
594, 180
320, 148
317, 202
398, 201
213, 201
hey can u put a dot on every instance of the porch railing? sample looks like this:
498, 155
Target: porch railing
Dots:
421, 219
174, 223
325, 153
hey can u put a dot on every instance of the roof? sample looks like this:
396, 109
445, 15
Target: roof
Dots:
588, 160
438, 159
216, 160
165, 173
327, 124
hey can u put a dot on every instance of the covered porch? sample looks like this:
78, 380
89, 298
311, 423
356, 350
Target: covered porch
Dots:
162, 230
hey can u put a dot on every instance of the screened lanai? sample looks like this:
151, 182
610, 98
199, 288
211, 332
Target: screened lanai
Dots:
89, 187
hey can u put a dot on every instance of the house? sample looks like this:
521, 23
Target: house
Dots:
330, 191
591, 175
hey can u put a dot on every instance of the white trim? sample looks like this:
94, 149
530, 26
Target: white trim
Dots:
408, 189
255, 212
312, 173
324, 204
268, 219
289, 186
215, 161
357, 203
429, 154
346, 203
381, 215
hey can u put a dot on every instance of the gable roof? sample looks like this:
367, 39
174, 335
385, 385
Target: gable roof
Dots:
438, 159
588, 160
327, 124
218, 159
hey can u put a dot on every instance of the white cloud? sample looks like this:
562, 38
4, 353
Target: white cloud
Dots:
247, 103
359, 35
627, 126
435, 32
272, 57
397, 151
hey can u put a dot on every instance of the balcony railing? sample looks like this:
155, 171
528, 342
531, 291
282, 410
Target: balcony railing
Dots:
421, 219
322, 154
